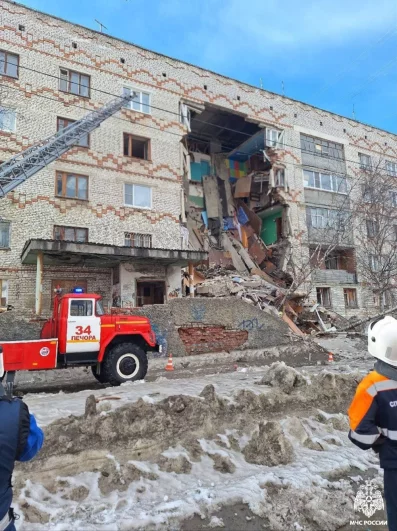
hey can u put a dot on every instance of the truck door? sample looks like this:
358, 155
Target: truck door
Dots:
84, 327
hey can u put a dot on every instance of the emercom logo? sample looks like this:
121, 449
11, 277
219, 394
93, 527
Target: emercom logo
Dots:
368, 499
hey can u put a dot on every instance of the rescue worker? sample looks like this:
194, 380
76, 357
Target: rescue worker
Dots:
20, 440
373, 411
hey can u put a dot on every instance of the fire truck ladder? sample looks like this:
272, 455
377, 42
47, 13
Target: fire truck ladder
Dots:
19, 168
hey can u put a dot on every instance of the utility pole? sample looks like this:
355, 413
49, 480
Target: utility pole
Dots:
101, 25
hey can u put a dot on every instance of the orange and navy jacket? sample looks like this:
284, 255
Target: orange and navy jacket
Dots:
373, 417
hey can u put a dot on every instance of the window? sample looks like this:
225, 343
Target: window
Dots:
350, 296
324, 297
395, 232
321, 148
140, 102
81, 308
365, 161
7, 120
3, 293
332, 261
71, 234
391, 168
185, 115
137, 147
393, 197
5, 227
74, 82
133, 239
137, 195
274, 138
324, 218
72, 186
374, 263
65, 122
368, 194
9, 63
325, 181
372, 228
279, 179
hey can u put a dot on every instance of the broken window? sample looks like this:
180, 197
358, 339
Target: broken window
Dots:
322, 148
5, 228
136, 147
74, 82
71, 234
72, 186
391, 168
140, 102
279, 177
274, 138
9, 63
7, 120
137, 195
62, 123
324, 297
372, 228
325, 181
134, 239
333, 261
350, 296
185, 115
365, 161
3, 292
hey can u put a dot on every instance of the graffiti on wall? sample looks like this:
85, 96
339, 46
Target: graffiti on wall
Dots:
198, 312
161, 339
251, 324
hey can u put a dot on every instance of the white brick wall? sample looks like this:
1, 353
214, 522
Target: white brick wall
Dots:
46, 45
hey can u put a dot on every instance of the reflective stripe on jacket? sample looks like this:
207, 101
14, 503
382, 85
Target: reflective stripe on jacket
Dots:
373, 417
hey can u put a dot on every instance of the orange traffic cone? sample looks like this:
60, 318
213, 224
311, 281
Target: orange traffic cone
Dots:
170, 365
330, 357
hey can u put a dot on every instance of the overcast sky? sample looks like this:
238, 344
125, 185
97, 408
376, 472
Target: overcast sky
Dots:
332, 54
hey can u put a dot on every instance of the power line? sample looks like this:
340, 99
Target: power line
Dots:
248, 135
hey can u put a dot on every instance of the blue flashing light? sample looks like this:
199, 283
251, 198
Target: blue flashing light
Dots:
77, 290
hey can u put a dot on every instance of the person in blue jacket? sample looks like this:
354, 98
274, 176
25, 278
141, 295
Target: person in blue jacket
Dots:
20, 440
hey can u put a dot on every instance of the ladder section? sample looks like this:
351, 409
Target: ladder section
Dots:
19, 168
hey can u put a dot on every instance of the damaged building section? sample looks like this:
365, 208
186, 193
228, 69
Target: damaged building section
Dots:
234, 181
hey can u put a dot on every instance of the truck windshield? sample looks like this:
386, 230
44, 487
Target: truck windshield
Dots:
99, 308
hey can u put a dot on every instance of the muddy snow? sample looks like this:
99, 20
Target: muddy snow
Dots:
185, 453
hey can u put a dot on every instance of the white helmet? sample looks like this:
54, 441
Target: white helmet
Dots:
382, 339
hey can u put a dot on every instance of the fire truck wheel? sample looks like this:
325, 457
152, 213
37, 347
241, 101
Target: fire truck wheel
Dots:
124, 363
100, 377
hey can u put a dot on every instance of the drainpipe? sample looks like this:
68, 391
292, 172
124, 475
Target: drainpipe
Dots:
39, 283
191, 280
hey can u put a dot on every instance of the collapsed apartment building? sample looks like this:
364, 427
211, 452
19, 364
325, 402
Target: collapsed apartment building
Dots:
200, 169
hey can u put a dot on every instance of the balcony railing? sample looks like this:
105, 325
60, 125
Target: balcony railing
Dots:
331, 276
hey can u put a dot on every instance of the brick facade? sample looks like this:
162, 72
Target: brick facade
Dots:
45, 46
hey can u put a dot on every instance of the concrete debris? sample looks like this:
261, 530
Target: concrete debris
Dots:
15, 326
284, 377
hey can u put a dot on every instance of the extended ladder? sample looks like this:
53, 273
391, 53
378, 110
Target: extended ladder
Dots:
19, 168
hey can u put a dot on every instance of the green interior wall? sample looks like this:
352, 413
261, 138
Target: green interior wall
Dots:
269, 227
199, 169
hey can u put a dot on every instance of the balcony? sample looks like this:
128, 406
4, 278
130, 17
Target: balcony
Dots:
334, 276
330, 236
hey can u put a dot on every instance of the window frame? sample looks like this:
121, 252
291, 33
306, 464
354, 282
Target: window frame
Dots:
64, 176
391, 172
275, 143
345, 293
333, 221
322, 147
8, 223
372, 228
131, 138
70, 121
364, 166
10, 110
138, 235
135, 206
320, 295
333, 179
63, 227
279, 183
6, 53
139, 91
69, 82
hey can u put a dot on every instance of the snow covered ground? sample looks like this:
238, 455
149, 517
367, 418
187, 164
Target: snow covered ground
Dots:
296, 471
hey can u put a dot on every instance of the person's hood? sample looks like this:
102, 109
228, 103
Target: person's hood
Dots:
386, 370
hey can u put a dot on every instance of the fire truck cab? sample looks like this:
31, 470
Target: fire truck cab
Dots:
80, 334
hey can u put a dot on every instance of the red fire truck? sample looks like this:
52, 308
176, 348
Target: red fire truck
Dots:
80, 334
